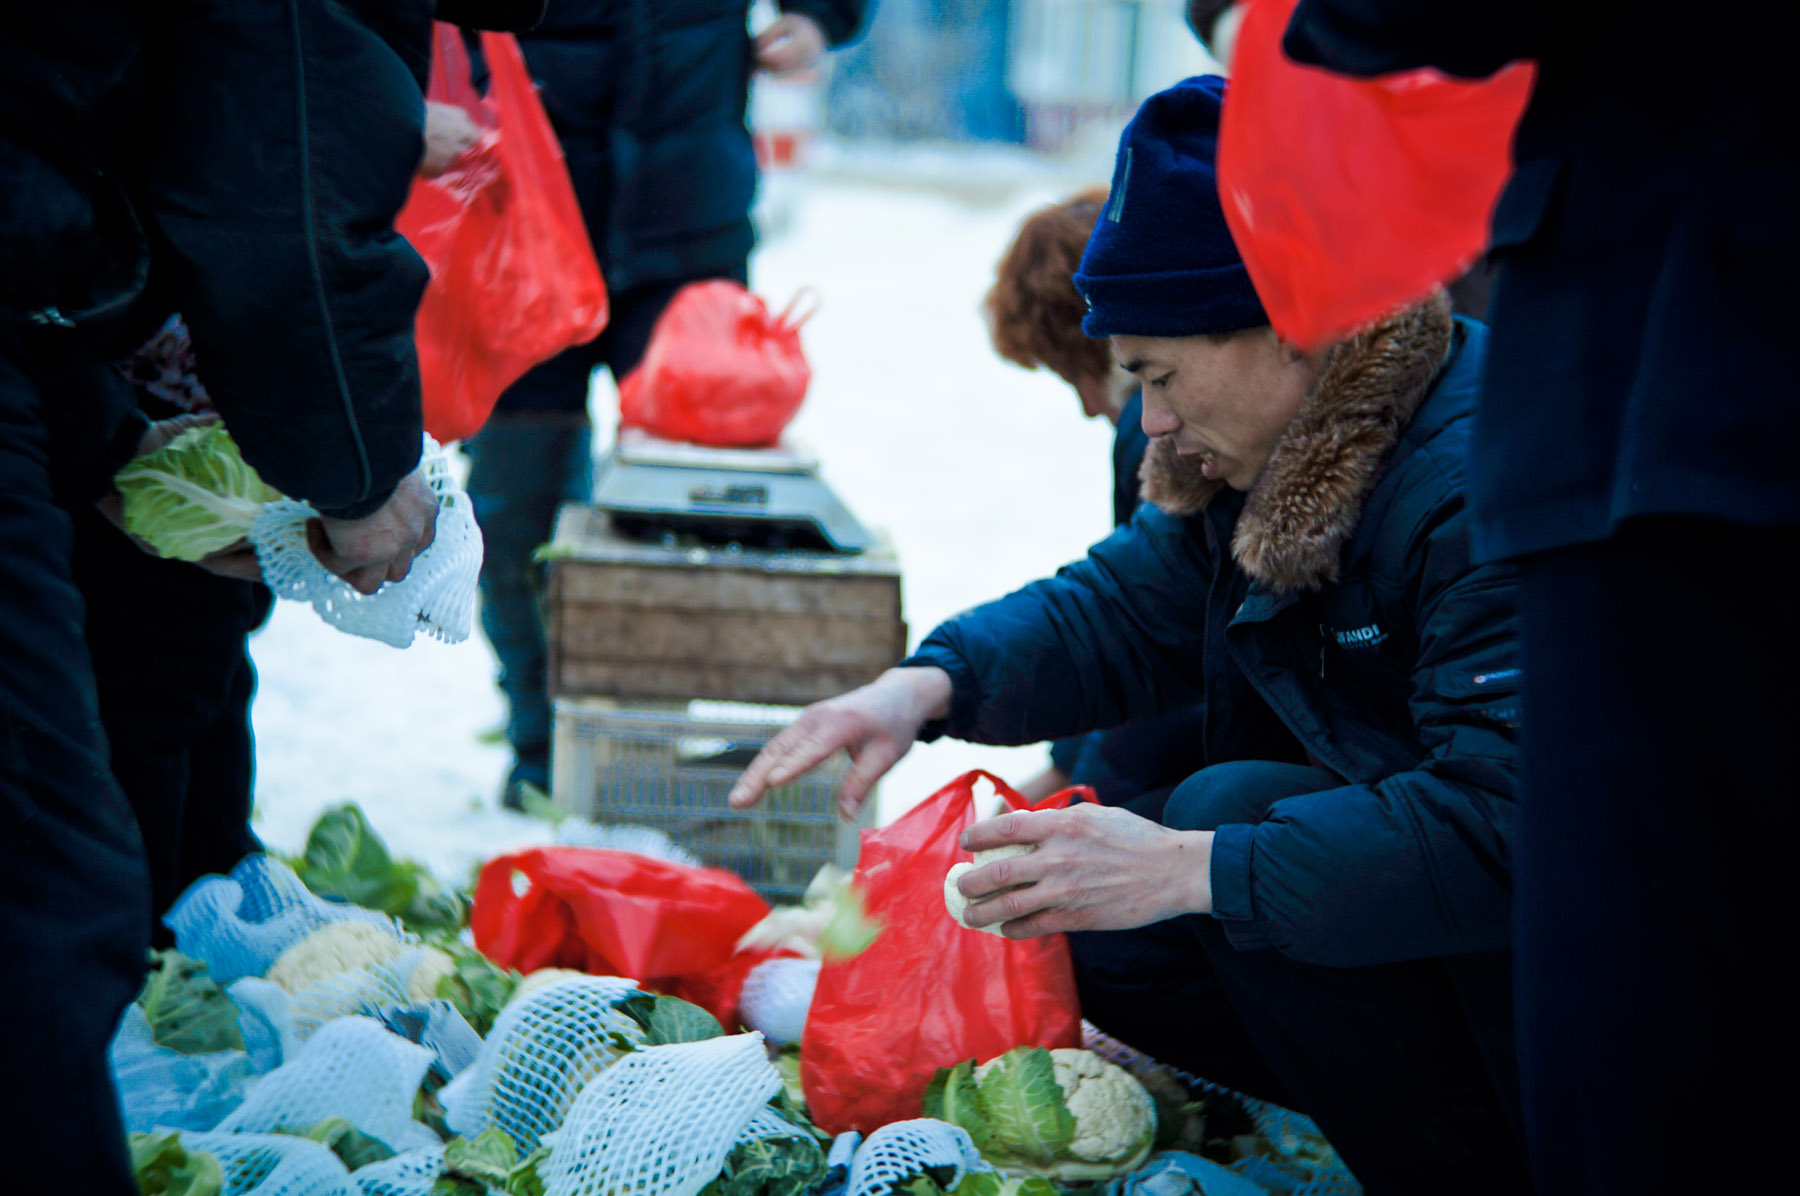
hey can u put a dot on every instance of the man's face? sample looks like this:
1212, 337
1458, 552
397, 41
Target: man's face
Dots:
1224, 400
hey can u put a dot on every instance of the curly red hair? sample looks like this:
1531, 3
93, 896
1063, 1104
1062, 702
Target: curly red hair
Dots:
1034, 311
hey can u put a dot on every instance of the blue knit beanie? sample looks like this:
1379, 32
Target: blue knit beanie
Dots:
1161, 261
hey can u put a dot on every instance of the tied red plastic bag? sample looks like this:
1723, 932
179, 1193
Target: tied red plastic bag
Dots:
671, 927
513, 276
1351, 198
928, 993
720, 370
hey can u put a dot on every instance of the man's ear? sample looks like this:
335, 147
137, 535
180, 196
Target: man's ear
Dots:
1292, 354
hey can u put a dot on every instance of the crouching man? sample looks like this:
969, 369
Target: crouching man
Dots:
1320, 915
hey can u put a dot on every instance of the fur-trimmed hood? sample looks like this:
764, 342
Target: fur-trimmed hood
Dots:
1308, 501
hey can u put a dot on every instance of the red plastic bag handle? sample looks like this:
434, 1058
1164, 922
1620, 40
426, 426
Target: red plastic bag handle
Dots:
451, 75
1055, 801
788, 319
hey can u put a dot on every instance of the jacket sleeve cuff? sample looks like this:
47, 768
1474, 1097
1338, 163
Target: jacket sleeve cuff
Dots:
837, 25
366, 507
1232, 904
964, 693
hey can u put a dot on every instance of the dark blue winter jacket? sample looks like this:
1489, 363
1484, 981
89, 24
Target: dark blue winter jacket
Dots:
1333, 613
1147, 754
648, 98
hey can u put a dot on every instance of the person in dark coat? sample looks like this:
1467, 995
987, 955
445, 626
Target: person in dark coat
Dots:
1322, 916
1034, 319
243, 163
1637, 449
175, 705
648, 98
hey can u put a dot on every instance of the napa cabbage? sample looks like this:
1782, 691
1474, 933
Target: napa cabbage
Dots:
194, 496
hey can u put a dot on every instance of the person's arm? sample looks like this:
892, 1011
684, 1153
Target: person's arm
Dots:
1416, 864
1116, 636
1413, 866
1088, 647
287, 135
1377, 37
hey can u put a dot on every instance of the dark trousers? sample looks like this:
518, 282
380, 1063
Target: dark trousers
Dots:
1658, 823
175, 680
1406, 1067
74, 891
533, 456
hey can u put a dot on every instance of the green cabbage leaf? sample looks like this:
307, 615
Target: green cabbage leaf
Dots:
194, 496
186, 1008
164, 1167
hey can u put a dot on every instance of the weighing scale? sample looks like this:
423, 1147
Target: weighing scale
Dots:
758, 498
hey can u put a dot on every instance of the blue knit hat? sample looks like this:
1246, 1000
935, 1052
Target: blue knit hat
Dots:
1161, 261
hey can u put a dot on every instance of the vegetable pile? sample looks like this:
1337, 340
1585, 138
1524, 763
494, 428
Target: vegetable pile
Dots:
340, 1037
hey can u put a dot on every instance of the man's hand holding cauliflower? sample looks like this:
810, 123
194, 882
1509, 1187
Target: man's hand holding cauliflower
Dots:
1084, 868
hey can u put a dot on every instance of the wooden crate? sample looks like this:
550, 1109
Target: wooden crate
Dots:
636, 620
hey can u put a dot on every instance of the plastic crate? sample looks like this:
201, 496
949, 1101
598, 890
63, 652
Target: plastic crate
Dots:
670, 769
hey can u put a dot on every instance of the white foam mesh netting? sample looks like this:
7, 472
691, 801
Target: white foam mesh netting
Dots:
274, 1165
661, 1121
543, 1048
436, 597
900, 1150
409, 1174
352, 1068
365, 990
776, 997
241, 923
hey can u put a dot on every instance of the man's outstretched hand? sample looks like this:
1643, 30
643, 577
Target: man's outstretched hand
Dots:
876, 724
381, 546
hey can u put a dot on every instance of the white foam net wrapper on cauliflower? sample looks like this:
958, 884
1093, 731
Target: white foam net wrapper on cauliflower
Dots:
437, 596
274, 1165
545, 1045
350, 968
661, 1121
411, 1174
902, 1149
239, 925
353, 1068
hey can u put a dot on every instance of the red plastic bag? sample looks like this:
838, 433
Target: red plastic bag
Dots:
513, 276
1350, 198
720, 370
671, 927
928, 993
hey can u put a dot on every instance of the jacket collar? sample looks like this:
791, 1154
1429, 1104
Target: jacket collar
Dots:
1308, 501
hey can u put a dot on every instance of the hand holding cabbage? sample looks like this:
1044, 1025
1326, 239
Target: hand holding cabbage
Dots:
190, 495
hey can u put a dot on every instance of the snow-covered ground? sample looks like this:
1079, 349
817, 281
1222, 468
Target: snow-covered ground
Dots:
985, 477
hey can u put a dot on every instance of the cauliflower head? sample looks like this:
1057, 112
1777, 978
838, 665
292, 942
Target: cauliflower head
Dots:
434, 964
332, 950
956, 903
1067, 1115
1115, 1119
